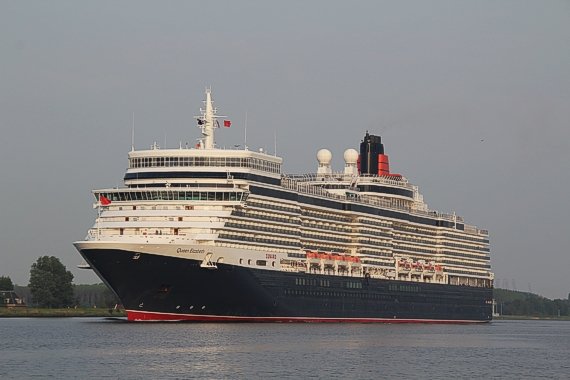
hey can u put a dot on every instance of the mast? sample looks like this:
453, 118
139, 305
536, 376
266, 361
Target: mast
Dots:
207, 122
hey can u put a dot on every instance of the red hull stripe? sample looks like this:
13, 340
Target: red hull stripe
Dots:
146, 316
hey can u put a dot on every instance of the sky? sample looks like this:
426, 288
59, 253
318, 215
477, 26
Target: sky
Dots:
471, 98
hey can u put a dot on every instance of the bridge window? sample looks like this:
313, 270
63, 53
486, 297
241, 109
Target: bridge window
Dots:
244, 162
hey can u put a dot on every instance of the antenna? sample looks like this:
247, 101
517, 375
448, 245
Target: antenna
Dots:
133, 134
245, 132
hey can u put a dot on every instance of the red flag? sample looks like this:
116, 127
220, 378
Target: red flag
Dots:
104, 200
227, 123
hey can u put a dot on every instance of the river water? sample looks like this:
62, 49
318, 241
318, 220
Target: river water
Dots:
102, 348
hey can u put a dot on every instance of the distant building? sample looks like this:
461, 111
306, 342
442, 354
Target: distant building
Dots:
9, 298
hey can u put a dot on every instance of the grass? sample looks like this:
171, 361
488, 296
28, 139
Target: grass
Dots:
529, 317
14, 312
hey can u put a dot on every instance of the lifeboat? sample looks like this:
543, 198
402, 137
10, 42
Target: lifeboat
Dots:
417, 268
406, 267
342, 261
313, 255
355, 260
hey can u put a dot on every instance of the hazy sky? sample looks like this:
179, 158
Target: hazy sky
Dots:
471, 98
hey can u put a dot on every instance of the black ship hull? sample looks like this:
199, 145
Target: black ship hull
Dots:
154, 287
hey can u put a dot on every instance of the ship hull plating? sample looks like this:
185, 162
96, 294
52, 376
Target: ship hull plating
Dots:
154, 287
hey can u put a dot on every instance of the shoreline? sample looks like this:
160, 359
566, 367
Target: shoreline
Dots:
27, 312
529, 318
33, 312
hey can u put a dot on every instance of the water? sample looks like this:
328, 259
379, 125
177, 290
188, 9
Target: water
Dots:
100, 348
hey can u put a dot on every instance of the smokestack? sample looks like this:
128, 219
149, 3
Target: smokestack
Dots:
371, 149
383, 165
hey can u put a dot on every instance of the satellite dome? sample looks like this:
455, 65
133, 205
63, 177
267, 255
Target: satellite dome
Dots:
324, 156
351, 156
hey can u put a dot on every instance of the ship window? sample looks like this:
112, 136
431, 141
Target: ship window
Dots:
248, 262
217, 161
241, 261
261, 262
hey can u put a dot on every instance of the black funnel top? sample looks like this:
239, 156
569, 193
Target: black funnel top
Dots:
370, 148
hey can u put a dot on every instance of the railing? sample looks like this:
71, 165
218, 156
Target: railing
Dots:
351, 179
299, 184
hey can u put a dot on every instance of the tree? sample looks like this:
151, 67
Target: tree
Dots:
6, 283
50, 283
94, 295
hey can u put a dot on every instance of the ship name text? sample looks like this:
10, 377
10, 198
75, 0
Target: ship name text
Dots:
189, 250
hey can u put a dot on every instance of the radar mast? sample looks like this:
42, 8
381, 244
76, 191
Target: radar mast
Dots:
208, 122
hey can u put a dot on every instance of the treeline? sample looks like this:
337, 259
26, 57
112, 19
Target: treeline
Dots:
510, 302
96, 295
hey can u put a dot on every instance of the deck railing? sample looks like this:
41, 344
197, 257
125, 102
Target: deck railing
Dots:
302, 185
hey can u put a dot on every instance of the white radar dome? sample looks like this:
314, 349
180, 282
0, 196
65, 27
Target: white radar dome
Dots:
324, 156
350, 156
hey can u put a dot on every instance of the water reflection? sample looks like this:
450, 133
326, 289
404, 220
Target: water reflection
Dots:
70, 348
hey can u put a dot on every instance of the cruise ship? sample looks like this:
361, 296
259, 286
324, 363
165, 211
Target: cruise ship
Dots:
203, 234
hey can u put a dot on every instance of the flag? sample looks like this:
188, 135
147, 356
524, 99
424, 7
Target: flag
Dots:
227, 123
104, 200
